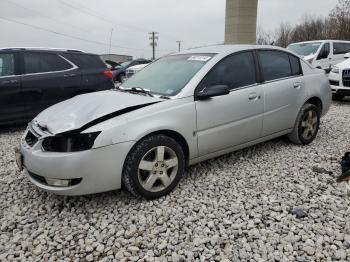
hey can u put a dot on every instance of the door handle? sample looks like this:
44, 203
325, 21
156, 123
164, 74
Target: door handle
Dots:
297, 85
6, 82
69, 75
254, 97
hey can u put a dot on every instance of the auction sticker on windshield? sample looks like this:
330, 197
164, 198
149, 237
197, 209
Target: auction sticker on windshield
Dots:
199, 58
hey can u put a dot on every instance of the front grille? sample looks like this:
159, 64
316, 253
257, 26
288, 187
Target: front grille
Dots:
31, 139
334, 83
346, 77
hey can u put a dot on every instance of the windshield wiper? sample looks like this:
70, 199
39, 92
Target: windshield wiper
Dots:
165, 97
139, 90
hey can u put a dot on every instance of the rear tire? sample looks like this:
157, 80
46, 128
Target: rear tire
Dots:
154, 167
337, 97
306, 126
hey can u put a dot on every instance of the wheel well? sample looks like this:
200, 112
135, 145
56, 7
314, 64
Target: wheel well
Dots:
121, 74
316, 102
179, 139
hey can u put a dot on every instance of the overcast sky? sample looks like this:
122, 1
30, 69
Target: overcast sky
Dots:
88, 24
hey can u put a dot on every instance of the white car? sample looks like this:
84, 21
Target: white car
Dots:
322, 54
339, 79
180, 110
134, 70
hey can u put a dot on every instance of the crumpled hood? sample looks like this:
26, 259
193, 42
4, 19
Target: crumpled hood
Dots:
344, 65
81, 110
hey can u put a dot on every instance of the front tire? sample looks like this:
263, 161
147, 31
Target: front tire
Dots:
154, 167
337, 97
121, 78
307, 125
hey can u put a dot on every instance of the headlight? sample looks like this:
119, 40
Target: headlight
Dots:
70, 142
335, 70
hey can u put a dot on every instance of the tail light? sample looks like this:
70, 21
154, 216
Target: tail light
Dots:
108, 74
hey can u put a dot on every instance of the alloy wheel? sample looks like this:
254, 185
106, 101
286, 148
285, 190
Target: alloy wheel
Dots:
158, 168
309, 124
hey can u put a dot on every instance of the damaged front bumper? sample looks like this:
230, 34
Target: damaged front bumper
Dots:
73, 173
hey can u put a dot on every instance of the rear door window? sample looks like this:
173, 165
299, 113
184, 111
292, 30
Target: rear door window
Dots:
235, 71
274, 65
44, 62
86, 61
341, 48
7, 65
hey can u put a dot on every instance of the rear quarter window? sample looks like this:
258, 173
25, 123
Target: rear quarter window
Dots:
86, 61
341, 48
44, 62
7, 65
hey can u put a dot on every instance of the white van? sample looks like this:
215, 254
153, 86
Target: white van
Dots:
323, 53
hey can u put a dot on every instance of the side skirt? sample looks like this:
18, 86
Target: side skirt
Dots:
238, 147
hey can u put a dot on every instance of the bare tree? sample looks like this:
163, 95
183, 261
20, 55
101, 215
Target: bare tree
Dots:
335, 26
284, 34
340, 19
263, 37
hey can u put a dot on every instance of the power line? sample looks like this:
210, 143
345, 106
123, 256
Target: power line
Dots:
93, 13
50, 18
67, 35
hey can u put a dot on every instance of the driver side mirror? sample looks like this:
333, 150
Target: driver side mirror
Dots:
213, 91
347, 55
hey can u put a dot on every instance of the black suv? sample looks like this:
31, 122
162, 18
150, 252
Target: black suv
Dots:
33, 79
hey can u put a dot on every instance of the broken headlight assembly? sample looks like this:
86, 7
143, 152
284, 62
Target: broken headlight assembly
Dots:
70, 142
335, 70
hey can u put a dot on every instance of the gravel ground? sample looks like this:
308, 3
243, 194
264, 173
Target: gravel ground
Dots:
236, 207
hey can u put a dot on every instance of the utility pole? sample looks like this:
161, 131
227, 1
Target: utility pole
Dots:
179, 43
153, 43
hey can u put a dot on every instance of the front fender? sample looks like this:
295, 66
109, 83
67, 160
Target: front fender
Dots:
178, 115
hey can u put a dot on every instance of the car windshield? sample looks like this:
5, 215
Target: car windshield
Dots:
168, 75
305, 49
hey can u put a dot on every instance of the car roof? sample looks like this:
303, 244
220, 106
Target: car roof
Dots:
140, 59
39, 49
227, 49
320, 41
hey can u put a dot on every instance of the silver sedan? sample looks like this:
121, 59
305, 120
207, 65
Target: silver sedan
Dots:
178, 111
